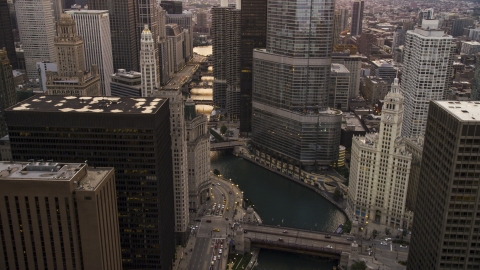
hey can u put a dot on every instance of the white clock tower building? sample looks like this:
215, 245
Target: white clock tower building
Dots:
379, 169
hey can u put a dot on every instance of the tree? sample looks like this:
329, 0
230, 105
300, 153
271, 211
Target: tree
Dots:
347, 226
336, 194
216, 172
374, 234
223, 129
387, 231
358, 266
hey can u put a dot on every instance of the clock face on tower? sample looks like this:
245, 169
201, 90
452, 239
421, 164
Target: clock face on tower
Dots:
388, 117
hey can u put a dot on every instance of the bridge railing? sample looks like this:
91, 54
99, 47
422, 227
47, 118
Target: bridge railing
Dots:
295, 246
290, 228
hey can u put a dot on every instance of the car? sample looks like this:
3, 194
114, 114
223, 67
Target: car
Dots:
280, 239
400, 229
327, 236
220, 251
403, 246
230, 192
328, 246
209, 221
213, 184
214, 258
218, 184
228, 209
221, 246
383, 243
226, 218
285, 231
350, 238
198, 220
213, 263
388, 239
216, 229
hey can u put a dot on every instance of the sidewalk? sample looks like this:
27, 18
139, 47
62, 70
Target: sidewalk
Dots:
183, 260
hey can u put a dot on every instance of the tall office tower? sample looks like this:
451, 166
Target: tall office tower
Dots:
357, 17
459, 26
93, 26
126, 84
428, 60
6, 34
202, 19
344, 16
198, 152
476, 80
399, 38
7, 90
172, 7
179, 156
353, 62
71, 77
337, 16
291, 119
379, 170
148, 65
448, 191
123, 15
148, 15
58, 216
338, 88
254, 35
57, 7
129, 135
37, 32
165, 48
176, 40
415, 147
226, 36
184, 21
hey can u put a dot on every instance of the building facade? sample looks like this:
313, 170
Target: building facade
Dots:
374, 90
184, 21
339, 87
428, 60
71, 78
123, 15
126, 84
353, 62
6, 35
357, 18
36, 27
120, 132
379, 170
253, 35
448, 190
7, 90
291, 119
58, 215
93, 26
198, 153
172, 7
175, 46
148, 64
415, 147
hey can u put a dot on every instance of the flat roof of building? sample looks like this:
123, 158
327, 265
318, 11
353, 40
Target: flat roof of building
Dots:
339, 68
54, 103
463, 110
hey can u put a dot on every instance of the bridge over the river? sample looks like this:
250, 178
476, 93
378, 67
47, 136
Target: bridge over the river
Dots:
225, 145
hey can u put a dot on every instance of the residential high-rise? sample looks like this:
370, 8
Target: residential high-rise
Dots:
71, 78
179, 157
93, 26
253, 35
448, 191
37, 32
125, 133
7, 90
339, 87
226, 35
428, 60
291, 119
198, 152
123, 15
148, 65
6, 34
353, 62
172, 7
58, 214
357, 18
379, 170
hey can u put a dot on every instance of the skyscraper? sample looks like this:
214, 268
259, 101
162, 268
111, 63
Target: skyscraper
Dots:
184, 21
226, 36
37, 32
148, 63
428, 59
59, 214
291, 119
338, 88
253, 35
7, 90
93, 26
202, 19
172, 7
149, 15
123, 15
71, 78
357, 17
445, 231
380, 169
6, 34
125, 133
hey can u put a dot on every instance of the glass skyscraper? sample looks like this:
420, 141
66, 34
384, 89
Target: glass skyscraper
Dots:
291, 120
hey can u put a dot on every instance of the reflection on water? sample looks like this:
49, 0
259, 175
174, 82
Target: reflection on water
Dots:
202, 91
201, 97
207, 78
204, 109
203, 50
278, 201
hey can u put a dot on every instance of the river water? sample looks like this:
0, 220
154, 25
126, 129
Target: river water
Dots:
280, 201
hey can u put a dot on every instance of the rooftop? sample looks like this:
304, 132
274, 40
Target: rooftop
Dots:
463, 110
130, 105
